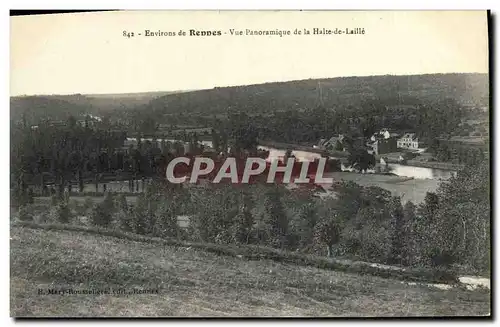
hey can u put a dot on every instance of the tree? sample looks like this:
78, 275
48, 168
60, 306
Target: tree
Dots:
397, 230
224, 142
360, 159
410, 249
166, 220
428, 207
122, 215
243, 222
71, 122
339, 146
61, 212
102, 213
216, 143
460, 229
25, 213
275, 218
87, 122
244, 138
327, 232
302, 225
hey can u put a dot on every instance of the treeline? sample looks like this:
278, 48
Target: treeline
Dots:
429, 120
452, 226
71, 156
458, 153
74, 154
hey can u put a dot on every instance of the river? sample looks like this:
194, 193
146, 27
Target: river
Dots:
397, 169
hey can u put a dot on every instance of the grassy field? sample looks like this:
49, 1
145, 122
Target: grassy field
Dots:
193, 282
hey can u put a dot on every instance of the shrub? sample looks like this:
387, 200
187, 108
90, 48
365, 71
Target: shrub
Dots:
216, 209
54, 200
102, 213
100, 216
62, 212
243, 222
122, 216
22, 197
165, 224
302, 226
275, 218
142, 215
25, 213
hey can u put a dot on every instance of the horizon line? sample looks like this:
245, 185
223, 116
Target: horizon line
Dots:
239, 85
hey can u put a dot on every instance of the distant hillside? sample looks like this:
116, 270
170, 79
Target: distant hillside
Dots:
106, 102
301, 95
343, 91
36, 107
60, 106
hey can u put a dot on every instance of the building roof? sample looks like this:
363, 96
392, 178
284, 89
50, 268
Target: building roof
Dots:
410, 136
321, 142
331, 141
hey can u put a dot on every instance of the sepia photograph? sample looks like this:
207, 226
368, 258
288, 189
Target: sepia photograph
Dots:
250, 164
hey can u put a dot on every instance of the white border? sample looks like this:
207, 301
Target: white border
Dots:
192, 4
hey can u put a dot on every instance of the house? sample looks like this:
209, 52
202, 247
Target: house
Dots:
409, 141
57, 123
384, 133
89, 121
382, 142
331, 143
383, 145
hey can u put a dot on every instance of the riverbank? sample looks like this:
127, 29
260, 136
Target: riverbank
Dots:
303, 147
342, 155
435, 165
409, 189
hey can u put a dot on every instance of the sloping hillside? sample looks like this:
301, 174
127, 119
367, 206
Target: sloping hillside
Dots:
109, 102
345, 91
304, 94
189, 282
36, 107
61, 106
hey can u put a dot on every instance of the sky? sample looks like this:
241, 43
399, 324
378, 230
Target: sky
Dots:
87, 52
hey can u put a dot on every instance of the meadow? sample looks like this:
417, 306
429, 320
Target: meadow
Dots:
193, 282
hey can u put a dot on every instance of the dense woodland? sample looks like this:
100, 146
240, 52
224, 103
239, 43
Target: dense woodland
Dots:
427, 104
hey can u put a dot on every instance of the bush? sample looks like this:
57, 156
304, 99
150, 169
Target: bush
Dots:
62, 212
25, 213
122, 215
54, 200
100, 216
88, 204
275, 218
215, 214
142, 216
165, 224
21, 197
102, 213
302, 224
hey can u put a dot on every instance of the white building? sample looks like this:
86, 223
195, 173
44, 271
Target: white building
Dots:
383, 133
409, 141
330, 144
